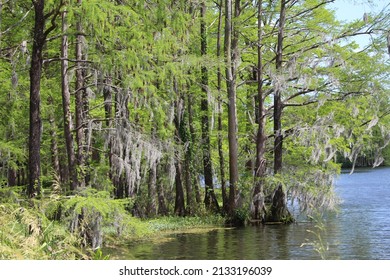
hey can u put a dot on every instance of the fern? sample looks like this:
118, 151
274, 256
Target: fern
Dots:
27, 234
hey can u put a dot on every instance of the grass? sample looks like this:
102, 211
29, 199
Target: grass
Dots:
317, 242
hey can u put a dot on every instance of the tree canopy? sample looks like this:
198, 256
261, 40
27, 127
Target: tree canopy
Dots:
182, 107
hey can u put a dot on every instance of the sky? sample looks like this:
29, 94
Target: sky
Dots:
355, 9
349, 10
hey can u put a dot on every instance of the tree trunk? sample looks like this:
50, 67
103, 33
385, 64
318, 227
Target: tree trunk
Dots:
278, 106
179, 199
231, 59
188, 180
279, 211
12, 177
190, 209
122, 113
80, 93
162, 208
107, 95
68, 126
54, 145
191, 147
34, 158
152, 191
21, 179
225, 198
257, 209
185, 139
210, 200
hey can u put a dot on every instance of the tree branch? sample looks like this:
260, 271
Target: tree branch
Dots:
53, 14
17, 23
46, 61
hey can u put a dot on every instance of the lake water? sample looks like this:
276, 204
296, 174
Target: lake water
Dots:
360, 230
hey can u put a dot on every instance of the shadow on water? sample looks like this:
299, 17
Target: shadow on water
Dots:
361, 230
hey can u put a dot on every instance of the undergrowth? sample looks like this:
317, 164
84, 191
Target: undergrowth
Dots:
77, 227
26, 233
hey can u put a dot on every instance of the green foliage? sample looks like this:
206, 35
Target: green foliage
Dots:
241, 216
10, 195
98, 255
386, 155
27, 234
146, 54
97, 201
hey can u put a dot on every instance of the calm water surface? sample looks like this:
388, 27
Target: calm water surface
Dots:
361, 230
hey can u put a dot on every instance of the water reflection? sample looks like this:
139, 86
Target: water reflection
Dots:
251, 243
361, 230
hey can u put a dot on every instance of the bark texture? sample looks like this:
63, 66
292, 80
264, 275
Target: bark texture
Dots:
35, 132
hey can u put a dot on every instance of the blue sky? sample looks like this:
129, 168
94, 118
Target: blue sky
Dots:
354, 9
348, 10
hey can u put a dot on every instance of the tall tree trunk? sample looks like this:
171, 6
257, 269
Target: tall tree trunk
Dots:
152, 190
190, 209
12, 171
162, 208
21, 180
225, 198
278, 106
210, 200
107, 95
194, 178
185, 138
54, 144
68, 126
11, 176
178, 120
260, 164
80, 93
188, 174
279, 210
122, 112
179, 198
34, 158
179, 192
231, 59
